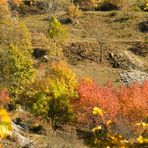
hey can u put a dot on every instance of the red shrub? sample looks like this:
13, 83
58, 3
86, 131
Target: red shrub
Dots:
4, 97
133, 101
129, 102
92, 95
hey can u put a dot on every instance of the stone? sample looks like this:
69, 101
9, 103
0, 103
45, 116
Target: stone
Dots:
133, 76
23, 141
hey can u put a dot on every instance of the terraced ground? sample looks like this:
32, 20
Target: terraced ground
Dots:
124, 44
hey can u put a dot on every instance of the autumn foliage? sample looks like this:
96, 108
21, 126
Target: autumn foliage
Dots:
3, 2
17, 2
92, 95
4, 97
130, 102
133, 101
5, 121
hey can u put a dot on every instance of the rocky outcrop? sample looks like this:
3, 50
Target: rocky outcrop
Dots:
125, 60
133, 76
22, 140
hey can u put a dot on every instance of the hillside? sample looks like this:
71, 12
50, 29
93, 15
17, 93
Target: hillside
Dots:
121, 35
74, 74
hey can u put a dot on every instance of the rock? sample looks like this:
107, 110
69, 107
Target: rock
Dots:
23, 141
140, 49
126, 60
39, 53
143, 26
65, 20
133, 76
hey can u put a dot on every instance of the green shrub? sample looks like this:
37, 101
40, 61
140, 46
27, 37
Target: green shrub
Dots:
51, 97
13, 31
16, 69
57, 31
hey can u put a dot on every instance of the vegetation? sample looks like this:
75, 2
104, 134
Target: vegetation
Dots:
103, 137
51, 97
48, 91
16, 69
73, 11
5, 123
56, 31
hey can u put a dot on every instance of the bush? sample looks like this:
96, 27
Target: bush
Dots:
146, 7
57, 31
107, 5
5, 124
13, 31
73, 11
133, 101
125, 106
136, 5
61, 71
51, 97
91, 94
17, 2
16, 69
4, 97
6, 7
4, 10
104, 137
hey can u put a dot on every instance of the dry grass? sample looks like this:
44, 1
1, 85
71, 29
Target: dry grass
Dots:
121, 28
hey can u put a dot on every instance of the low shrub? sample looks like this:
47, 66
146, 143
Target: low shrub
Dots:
51, 97
73, 11
104, 137
4, 9
5, 124
133, 101
57, 31
13, 31
146, 7
127, 104
90, 95
143, 26
16, 69
4, 97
